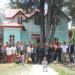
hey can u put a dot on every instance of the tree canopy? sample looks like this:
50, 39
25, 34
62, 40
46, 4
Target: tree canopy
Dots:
71, 6
54, 8
23, 4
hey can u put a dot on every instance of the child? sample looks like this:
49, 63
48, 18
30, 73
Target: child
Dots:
22, 58
18, 58
29, 60
44, 63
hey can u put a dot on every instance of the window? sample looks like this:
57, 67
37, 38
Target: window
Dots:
37, 19
11, 39
20, 20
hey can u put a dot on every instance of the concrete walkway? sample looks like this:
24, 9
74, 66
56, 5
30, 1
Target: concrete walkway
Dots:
38, 70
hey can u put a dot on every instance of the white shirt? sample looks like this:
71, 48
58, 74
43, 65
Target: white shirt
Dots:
21, 48
64, 48
28, 49
32, 50
9, 51
44, 63
13, 50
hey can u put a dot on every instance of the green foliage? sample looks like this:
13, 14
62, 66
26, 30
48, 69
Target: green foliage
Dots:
70, 34
17, 4
71, 5
62, 70
73, 36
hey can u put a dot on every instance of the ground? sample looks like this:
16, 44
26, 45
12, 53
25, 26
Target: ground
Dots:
34, 69
38, 70
19, 69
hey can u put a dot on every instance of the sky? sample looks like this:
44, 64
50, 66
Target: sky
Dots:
4, 3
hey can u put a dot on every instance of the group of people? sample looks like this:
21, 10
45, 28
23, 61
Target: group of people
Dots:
52, 51
11, 53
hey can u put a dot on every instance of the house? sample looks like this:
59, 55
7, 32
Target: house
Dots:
61, 31
12, 27
15, 28
20, 26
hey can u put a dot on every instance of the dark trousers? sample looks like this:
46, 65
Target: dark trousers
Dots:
55, 56
71, 57
50, 58
34, 58
59, 57
47, 57
37, 58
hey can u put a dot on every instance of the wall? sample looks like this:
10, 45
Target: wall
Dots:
31, 29
62, 30
24, 36
30, 26
11, 31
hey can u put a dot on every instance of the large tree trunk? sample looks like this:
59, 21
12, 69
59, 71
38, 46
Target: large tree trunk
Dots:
53, 32
48, 25
42, 26
54, 8
50, 29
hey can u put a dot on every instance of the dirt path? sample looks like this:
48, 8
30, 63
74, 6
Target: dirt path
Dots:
37, 70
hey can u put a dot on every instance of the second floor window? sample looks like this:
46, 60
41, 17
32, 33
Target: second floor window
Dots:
20, 19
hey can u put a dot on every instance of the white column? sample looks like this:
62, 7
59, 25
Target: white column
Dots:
30, 30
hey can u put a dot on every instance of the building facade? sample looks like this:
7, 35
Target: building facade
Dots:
20, 26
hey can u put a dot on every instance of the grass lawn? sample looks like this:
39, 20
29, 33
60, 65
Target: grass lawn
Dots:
14, 69
62, 70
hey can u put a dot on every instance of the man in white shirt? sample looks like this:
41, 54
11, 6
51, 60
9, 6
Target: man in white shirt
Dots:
29, 50
64, 51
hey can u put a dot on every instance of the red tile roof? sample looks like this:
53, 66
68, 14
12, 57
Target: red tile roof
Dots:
12, 13
12, 25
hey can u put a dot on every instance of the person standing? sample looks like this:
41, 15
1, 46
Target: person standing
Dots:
32, 48
18, 47
59, 51
34, 54
50, 53
4, 53
54, 51
42, 52
46, 52
13, 48
29, 51
44, 63
64, 51
37, 53
22, 58
71, 52
9, 54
